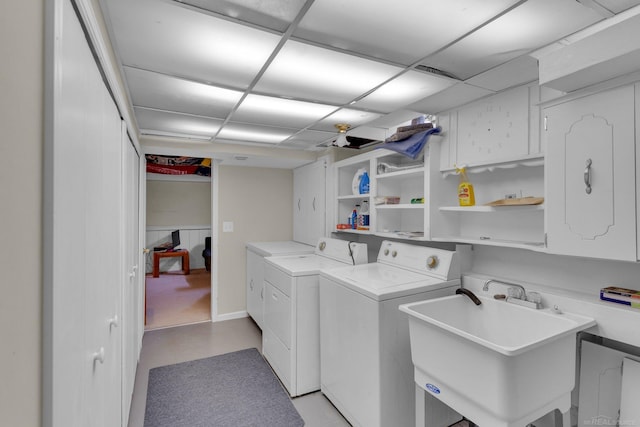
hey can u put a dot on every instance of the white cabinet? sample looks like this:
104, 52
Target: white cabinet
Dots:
309, 202
255, 286
590, 176
499, 128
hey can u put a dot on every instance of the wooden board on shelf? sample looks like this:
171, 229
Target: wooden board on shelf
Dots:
522, 201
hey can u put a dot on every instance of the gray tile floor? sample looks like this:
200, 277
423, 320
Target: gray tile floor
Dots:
180, 344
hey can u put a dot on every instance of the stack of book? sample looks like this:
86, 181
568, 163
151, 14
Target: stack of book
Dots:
623, 296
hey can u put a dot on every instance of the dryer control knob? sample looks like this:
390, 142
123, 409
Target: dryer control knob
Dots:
432, 261
394, 254
322, 245
386, 252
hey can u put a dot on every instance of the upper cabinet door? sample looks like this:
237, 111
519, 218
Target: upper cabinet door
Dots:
500, 128
590, 176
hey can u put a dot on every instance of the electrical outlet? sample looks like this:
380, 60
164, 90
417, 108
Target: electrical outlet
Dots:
510, 196
227, 227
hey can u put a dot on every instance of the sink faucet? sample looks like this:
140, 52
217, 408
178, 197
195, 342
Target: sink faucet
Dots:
470, 294
532, 300
523, 293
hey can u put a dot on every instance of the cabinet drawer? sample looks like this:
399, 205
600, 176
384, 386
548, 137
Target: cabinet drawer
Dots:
277, 313
277, 278
279, 357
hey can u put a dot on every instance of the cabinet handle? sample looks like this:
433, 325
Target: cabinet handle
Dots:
262, 293
587, 176
298, 204
113, 322
251, 284
98, 356
314, 204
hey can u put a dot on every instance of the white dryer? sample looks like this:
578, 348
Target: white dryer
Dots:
256, 252
291, 331
367, 371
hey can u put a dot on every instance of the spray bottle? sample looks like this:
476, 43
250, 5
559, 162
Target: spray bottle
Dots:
466, 196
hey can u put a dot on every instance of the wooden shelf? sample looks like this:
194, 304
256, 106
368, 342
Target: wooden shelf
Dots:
354, 197
402, 173
491, 208
535, 246
400, 235
400, 206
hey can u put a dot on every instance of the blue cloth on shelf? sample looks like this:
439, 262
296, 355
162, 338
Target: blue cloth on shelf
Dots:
413, 145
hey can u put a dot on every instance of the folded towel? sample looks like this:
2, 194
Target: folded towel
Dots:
413, 145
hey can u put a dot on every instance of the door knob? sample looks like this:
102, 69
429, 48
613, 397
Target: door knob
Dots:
98, 356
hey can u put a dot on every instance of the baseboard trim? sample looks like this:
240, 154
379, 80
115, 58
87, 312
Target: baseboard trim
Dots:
231, 316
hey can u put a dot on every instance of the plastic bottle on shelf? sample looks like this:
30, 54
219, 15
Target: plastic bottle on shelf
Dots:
466, 195
364, 215
354, 217
364, 183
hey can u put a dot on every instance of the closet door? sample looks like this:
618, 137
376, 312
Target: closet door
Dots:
82, 343
132, 291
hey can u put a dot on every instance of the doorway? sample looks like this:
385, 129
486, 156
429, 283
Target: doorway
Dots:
178, 204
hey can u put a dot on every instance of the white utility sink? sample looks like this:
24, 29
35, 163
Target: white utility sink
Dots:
497, 363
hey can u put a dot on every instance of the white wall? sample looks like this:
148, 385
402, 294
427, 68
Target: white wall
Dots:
21, 150
259, 203
178, 203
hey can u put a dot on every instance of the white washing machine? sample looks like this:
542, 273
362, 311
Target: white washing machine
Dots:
256, 252
367, 371
291, 331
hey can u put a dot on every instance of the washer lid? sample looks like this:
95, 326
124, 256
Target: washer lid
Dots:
280, 248
381, 282
303, 265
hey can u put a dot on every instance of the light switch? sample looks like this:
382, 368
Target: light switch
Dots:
227, 226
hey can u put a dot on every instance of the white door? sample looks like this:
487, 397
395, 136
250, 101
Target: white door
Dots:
132, 320
590, 176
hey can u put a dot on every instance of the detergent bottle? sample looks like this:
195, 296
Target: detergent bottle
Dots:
466, 196
364, 183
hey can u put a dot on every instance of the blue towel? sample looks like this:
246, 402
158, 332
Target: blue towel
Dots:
413, 145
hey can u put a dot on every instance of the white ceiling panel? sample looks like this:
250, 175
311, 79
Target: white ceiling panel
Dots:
402, 32
242, 132
518, 32
351, 117
308, 72
617, 6
449, 98
401, 91
273, 14
273, 111
171, 39
169, 122
521, 70
164, 92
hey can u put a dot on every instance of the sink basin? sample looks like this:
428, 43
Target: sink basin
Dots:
498, 364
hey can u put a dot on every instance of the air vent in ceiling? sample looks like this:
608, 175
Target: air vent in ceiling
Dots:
431, 70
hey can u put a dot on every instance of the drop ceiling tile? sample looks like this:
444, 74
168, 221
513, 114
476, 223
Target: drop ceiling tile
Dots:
617, 6
527, 27
521, 70
309, 137
406, 89
349, 116
274, 14
309, 72
267, 110
168, 122
400, 32
243, 132
165, 37
449, 98
164, 92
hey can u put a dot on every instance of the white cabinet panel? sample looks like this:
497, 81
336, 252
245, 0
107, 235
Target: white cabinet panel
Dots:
255, 286
590, 176
309, 202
